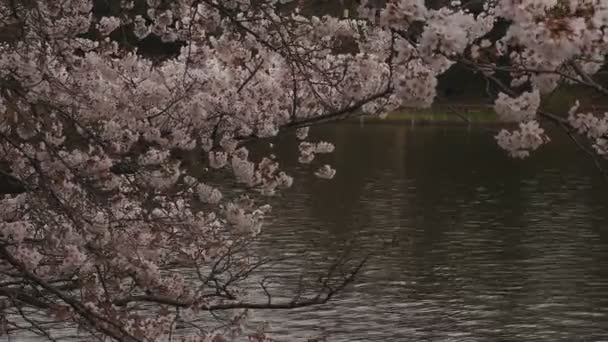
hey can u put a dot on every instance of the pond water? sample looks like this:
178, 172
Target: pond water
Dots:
484, 247
468, 244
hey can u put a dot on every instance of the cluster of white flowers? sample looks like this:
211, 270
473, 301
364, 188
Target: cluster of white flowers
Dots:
208, 194
15, 232
520, 143
593, 126
302, 133
95, 127
552, 33
398, 14
519, 109
243, 221
154, 157
73, 259
450, 32
107, 25
325, 172
308, 150
244, 171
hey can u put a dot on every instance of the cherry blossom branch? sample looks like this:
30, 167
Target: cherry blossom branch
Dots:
321, 298
561, 122
338, 114
94, 319
586, 79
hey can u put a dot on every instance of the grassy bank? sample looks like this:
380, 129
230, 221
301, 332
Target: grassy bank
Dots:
474, 114
452, 115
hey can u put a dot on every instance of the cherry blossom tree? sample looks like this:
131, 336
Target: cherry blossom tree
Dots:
111, 233
524, 48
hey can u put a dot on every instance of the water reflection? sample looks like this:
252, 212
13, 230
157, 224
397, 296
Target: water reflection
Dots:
490, 249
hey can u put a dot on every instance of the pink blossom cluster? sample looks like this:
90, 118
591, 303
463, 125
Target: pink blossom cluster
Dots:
118, 233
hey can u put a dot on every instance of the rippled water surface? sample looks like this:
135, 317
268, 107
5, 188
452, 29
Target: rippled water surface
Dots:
470, 245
